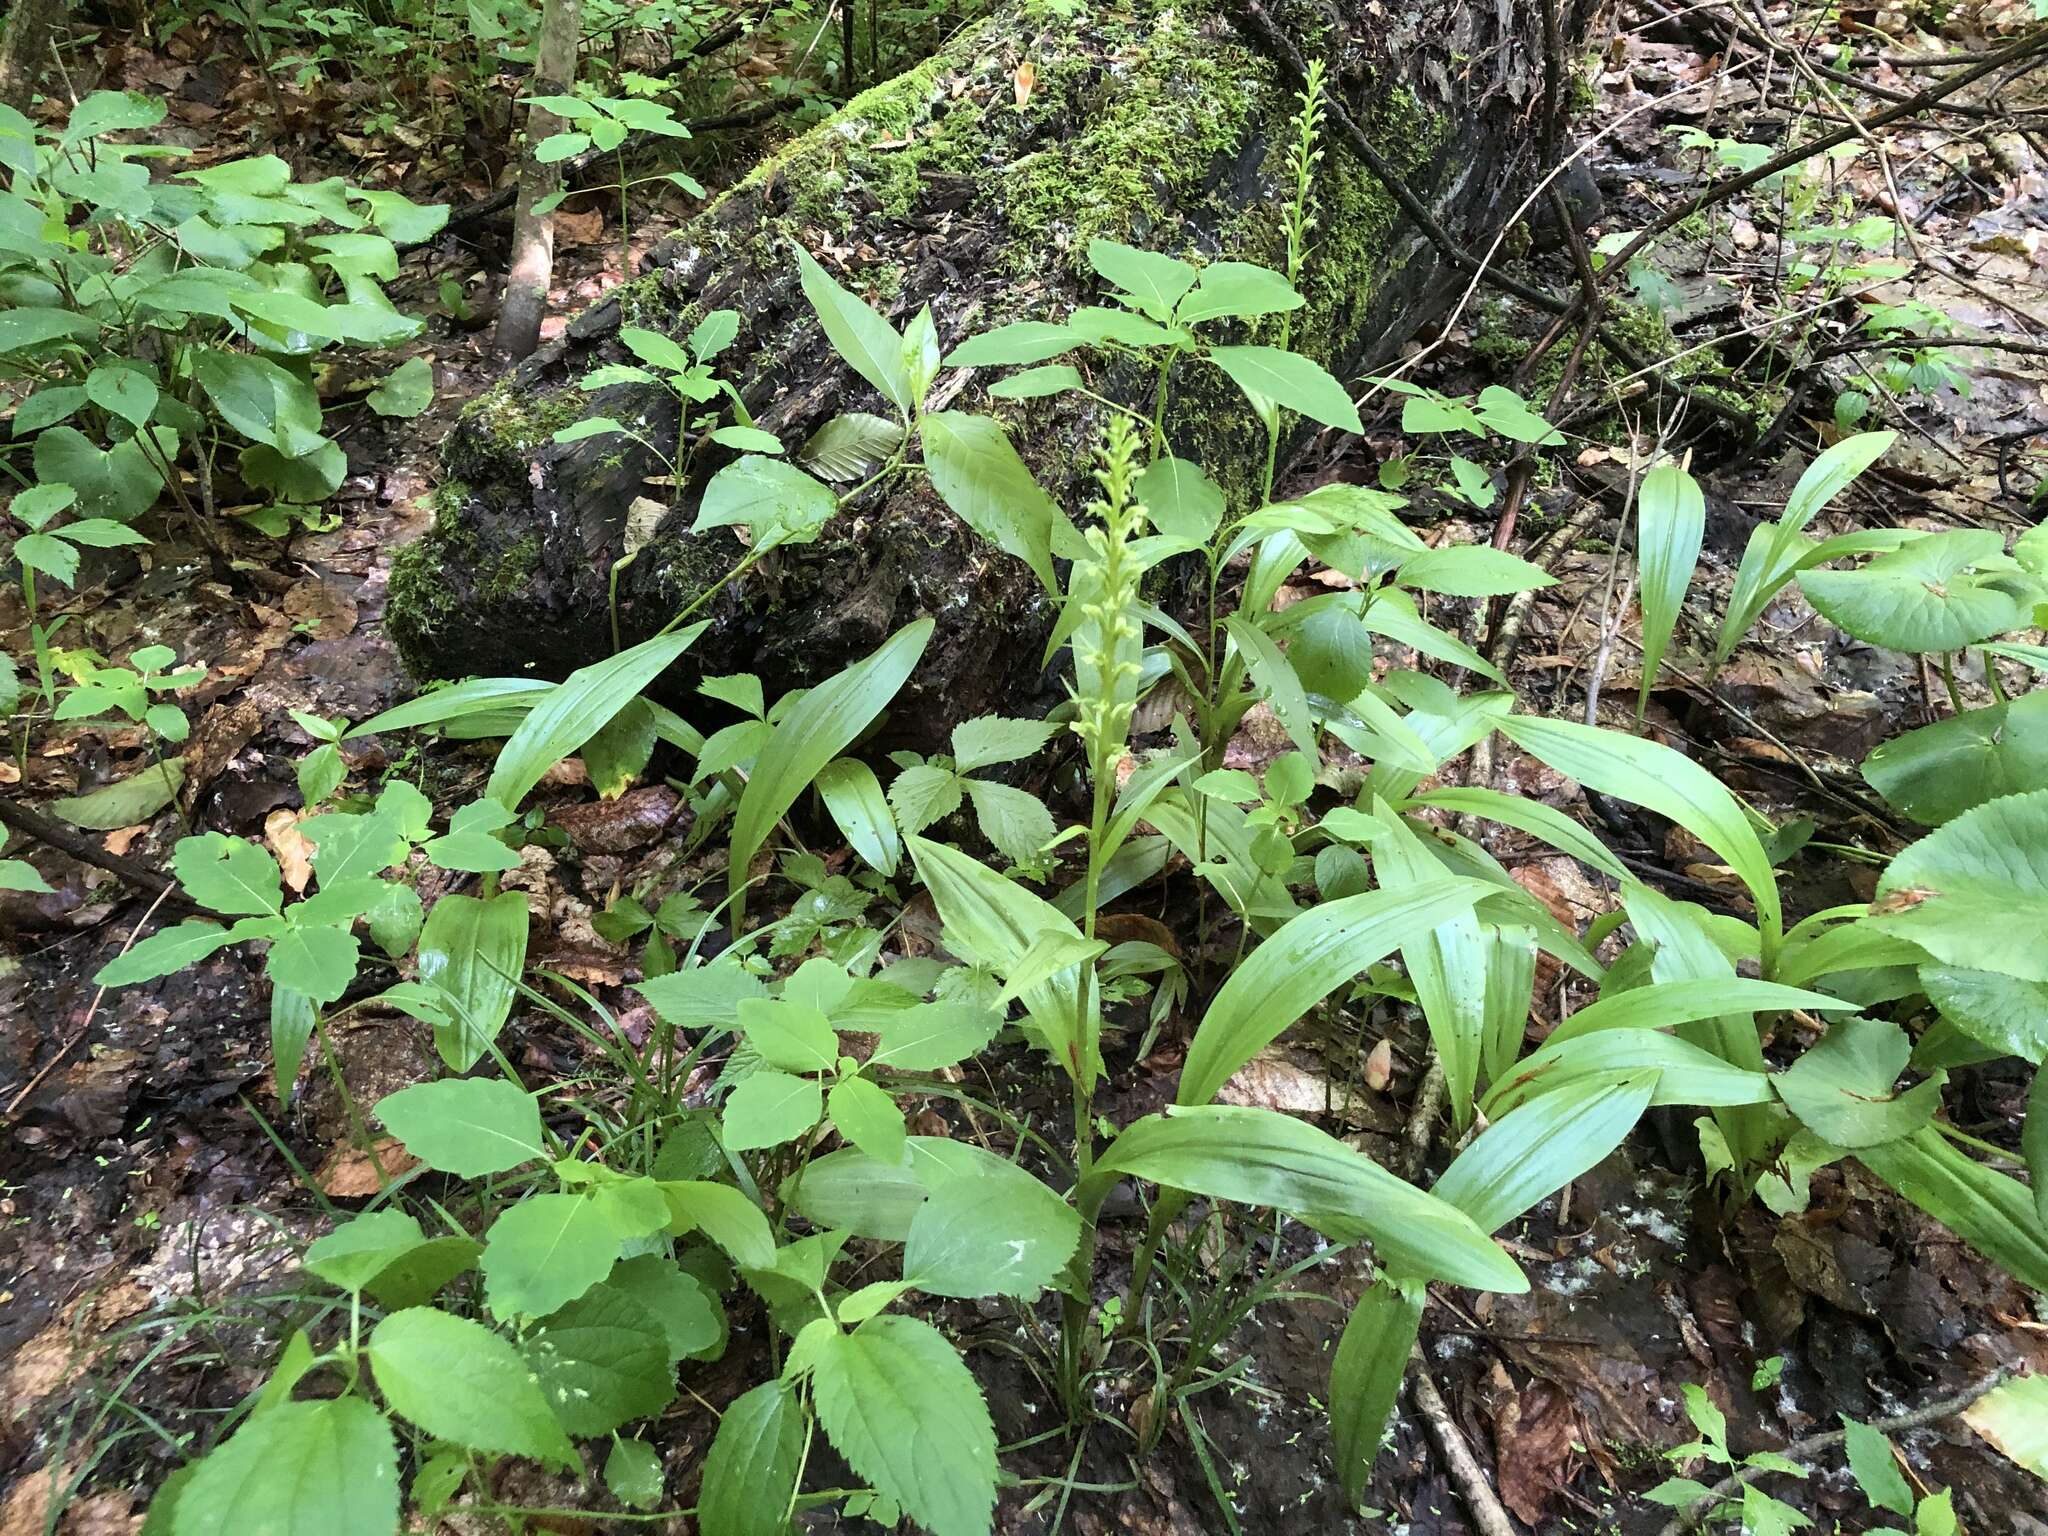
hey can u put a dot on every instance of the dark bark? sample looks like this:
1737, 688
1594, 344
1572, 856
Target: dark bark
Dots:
1167, 131
25, 44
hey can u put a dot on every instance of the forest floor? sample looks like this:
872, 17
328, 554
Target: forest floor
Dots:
155, 1194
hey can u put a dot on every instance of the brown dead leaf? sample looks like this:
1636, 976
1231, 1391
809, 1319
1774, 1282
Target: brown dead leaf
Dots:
349, 1173
222, 732
121, 839
321, 608
294, 853
42, 1365
1136, 928
1532, 1438
579, 228
1271, 1081
9, 774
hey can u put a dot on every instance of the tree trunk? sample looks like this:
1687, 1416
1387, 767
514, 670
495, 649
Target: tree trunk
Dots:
25, 45
532, 265
973, 184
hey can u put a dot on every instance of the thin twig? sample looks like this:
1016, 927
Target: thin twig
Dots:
1919, 1418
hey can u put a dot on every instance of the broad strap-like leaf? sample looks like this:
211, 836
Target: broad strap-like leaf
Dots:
473, 951
1532, 1153
1259, 1157
1303, 962
1671, 522
1365, 1376
818, 727
1649, 774
577, 710
867, 342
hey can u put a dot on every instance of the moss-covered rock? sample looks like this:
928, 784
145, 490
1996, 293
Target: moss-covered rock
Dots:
974, 187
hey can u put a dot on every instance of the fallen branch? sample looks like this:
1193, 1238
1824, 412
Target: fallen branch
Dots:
1919, 1418
75, 844
1466, 1474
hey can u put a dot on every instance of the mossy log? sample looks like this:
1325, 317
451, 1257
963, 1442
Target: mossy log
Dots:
974, 184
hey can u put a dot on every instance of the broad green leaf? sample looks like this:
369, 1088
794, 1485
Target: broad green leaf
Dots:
820, 726
1531, 816
1365, 1377
1994, 1214
1154, 281
1671, 522
1037, 383
543, 1253
768, 1108
355, 1252
1262, 1158
1686, 1074
991, 739
848, 1191
314, 959
20, 875
1876, 1472
325, 1468
1509, 414
1291, 380
1774, 556
169, 949
1668, 1004
478, 696
24, 329
978, 474
1302, 963
934, 1035
854, 796
1939, 771
866, 1116
1660, 779
750, 1472
869, 343
119, 389
1180, 499
119, 482
1830, 473
1841, 1088
1236, 289
1394, 615
954, 1248
406, 391
850, 447
689, 1315
414, 1277
995, 922
725, 1216
1471, 570
602, 1361
577, 710
1019, 343
293, 1018
2003, 1013
634, 1476
473, 950
1283, 690
1015, 822
2014, 1417
125, 802
777, 502
228, 874
1922, 597
261, 400
703, 997
459, 1381
468, 1126
790, 1034
1526, 1156
1974, 893
896, 1401
922, 795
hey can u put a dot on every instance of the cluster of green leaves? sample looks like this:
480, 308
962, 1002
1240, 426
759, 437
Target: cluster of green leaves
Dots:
150, 314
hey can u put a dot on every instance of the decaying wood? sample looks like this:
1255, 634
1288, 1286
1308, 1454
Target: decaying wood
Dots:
971, 184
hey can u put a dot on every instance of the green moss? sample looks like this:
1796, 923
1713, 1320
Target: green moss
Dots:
513, 425
418, 601
513, 568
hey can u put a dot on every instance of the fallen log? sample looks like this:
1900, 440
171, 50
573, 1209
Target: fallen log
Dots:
972, 184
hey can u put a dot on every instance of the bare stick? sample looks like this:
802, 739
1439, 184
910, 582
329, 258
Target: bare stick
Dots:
54, 834
1469, 1477
1919, 1418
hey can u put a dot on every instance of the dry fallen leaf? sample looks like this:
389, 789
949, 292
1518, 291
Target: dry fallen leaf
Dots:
294, 853
579, 228
349, 1174
118, 841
